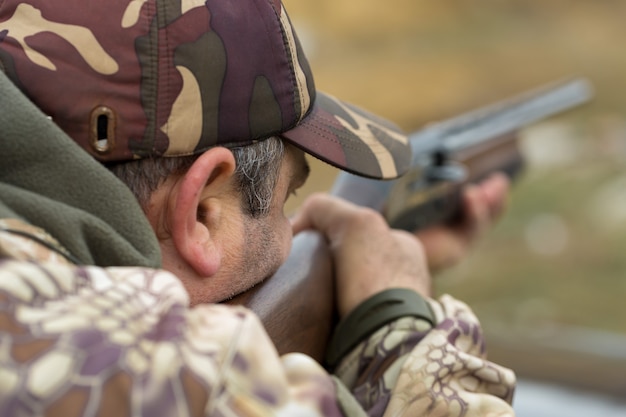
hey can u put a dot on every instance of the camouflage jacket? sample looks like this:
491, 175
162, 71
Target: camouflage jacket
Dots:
119, 339
122, 341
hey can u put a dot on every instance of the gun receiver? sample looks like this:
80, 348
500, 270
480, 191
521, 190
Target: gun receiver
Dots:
451, 153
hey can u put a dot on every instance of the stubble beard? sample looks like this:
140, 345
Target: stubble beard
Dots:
261, 255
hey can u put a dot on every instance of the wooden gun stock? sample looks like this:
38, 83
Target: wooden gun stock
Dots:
297, 305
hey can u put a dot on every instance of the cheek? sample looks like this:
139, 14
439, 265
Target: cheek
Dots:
284, 236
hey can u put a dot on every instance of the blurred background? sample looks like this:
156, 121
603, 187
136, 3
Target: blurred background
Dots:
549, 283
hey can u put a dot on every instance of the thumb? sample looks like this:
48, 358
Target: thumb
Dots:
313, 214
302, 219
323, 213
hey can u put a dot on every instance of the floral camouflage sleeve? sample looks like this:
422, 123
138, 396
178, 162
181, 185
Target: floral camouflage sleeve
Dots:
92, 341
444, 371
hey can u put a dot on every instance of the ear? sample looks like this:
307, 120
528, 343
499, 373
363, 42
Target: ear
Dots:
197, 208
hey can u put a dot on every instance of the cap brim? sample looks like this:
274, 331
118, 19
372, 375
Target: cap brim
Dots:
352, 139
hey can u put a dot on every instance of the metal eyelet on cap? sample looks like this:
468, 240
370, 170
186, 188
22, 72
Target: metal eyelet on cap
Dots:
102, 130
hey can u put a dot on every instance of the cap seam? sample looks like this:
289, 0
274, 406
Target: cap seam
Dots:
292, 53
323, 132
153, 45
166, 87
289, 52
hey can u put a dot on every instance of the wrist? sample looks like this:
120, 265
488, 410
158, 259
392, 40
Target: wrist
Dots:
369, 316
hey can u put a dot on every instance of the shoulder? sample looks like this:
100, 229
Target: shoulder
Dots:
25, 242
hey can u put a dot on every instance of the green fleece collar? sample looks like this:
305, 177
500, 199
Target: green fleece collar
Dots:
48, 181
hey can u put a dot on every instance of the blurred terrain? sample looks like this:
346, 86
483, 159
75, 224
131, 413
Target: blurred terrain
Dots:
549, 282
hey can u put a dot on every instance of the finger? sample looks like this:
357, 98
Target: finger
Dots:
483, 204
302, 219
496, 189
326, 213
477, 215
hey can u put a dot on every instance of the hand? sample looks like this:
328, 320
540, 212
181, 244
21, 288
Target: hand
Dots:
369, 257
483, 204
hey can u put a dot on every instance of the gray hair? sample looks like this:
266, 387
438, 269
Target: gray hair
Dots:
256, 174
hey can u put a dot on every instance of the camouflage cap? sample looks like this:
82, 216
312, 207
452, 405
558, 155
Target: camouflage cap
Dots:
130, 79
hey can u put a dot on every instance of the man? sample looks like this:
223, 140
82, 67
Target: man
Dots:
226, 84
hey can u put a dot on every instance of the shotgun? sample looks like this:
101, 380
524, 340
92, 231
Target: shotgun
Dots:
297, 305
